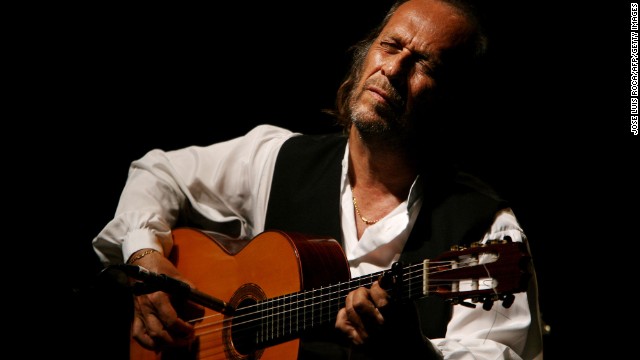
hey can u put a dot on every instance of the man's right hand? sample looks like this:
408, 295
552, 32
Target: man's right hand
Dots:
156, 324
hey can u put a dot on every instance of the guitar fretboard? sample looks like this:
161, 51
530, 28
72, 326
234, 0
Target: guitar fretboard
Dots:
288, 315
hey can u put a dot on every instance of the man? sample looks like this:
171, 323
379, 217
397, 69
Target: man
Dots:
381, 191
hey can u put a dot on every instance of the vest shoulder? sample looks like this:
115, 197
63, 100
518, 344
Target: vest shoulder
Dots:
329, 138
467, 182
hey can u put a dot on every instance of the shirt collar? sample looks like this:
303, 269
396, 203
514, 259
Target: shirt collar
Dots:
415, 192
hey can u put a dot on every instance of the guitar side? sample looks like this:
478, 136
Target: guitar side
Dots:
273, 263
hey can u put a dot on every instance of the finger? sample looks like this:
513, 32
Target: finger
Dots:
164, 324
147, 327
343, 324
379, 296
363, 304
353, 318
177, 327
162, 327
377, 315
156, 330
139, 333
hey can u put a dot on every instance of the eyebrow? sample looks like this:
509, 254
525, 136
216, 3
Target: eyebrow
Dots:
428, 56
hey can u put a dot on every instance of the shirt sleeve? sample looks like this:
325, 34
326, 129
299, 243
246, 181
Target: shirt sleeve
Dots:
500, 333
224, 187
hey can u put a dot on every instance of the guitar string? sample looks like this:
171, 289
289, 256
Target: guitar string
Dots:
407, 276
247, 334
210, 351
278, 330
299, 311
329, 294
281, 309
275, 333
340, 289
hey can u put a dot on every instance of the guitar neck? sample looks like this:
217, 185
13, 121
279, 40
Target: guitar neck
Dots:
287, 316
483, 274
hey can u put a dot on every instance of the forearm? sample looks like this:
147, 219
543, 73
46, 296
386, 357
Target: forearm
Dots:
147, 210
221, 186
500, 333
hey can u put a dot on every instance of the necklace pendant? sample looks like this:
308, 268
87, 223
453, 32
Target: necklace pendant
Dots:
364, 219
369, 222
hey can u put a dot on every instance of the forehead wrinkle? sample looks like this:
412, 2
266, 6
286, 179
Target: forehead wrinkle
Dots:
426, 33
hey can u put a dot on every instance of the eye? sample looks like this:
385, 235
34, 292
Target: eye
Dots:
390, 46
425, 66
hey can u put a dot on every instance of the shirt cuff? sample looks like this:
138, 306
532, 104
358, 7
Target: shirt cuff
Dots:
140, 239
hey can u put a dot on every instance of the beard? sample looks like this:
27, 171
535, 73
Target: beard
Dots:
391, 132
376, 120
377, 124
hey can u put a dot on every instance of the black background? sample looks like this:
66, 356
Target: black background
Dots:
113, 82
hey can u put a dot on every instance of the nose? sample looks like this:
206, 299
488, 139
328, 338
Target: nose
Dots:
396, 65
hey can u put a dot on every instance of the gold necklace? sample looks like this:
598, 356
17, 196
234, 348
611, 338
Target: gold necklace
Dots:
364, 219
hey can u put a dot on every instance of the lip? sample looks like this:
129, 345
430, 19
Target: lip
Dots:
383, 95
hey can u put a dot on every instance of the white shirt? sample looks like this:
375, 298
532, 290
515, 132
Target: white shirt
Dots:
227, 186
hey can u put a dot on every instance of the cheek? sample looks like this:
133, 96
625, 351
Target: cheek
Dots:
423, 83
422, 90
371, 65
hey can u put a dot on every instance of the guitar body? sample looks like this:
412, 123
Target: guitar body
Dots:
273, 263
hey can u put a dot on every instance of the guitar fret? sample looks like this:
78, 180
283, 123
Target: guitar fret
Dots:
299, 305
278, 312
317, 306
336, 299
267, 324
287, 316
272, 317
410, 294
310, 308
329, 307
320, 304
290, 313
276, 317
304, 309
260, 334
282, 315
274, 321
313, 305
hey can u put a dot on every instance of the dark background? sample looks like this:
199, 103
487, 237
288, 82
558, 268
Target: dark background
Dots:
121, 80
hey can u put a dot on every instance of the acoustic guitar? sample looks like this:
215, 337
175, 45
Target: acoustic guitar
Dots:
261, 295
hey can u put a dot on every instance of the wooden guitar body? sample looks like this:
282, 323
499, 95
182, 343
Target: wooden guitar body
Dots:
273, 263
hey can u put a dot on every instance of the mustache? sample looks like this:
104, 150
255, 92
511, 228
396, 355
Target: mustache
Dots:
389, 92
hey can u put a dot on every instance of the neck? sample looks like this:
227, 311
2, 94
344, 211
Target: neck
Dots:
372, 160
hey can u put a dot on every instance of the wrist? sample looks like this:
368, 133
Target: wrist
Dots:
139, 255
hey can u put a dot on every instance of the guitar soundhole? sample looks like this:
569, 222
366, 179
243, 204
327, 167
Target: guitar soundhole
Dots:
244, 330
245, 325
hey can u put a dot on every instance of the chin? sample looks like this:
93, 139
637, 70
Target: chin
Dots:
371, 127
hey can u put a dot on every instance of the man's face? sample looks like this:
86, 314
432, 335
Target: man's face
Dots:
401, 72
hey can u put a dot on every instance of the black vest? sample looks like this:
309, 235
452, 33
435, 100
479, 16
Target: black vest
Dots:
305, 197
